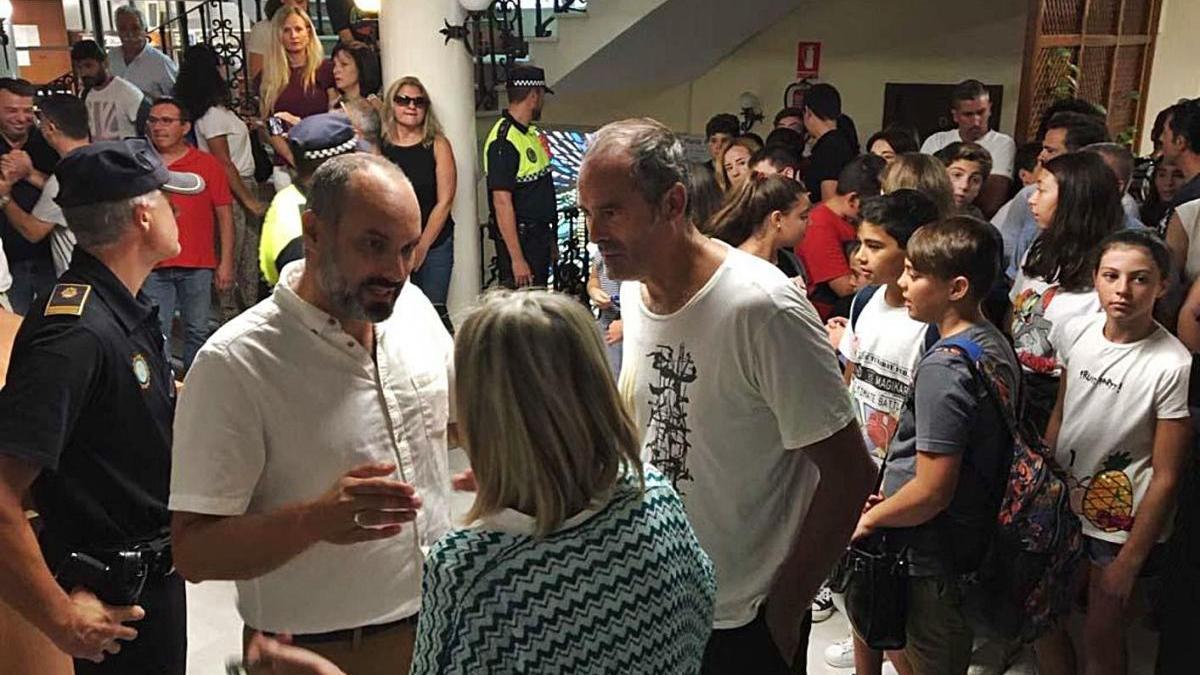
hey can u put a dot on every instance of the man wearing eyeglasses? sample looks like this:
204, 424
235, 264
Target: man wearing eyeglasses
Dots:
185, 281
520, 188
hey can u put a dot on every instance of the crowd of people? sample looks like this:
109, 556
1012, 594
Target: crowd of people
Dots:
795, 348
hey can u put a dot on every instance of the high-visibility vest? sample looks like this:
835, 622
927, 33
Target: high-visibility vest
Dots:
535, 162
281, 227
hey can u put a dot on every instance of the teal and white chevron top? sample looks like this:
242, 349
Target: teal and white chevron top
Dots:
624, 588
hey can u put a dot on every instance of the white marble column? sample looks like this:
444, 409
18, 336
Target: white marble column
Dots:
410, 44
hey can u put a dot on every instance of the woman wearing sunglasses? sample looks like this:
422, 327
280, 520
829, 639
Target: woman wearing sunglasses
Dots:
413, 140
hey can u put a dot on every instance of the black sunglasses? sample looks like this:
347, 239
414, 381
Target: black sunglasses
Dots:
414, 101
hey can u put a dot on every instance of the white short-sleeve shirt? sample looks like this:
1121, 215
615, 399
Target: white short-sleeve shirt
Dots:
725, 390
1001, 147
278, 405
1116, 393
221, 121
1189, 217
885, 345
62, 240
1039, 311
113, 110
151, 70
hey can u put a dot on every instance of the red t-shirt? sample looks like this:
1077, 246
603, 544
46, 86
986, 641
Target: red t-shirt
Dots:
301, 102
823, 252
196, 214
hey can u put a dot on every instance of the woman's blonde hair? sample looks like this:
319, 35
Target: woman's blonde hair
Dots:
923, 173
538, 410
431, 130
276, 71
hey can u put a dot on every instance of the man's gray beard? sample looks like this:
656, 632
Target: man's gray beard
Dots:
344, 300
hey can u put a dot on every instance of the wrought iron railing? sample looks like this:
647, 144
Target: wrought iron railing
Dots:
225, 33
572, 266
498, 37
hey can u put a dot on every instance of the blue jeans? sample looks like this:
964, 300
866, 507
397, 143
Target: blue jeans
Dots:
31, 279
434, 276
189, 289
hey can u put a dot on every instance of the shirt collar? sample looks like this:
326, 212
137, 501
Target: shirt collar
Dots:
132, 312
310, 315
520, 127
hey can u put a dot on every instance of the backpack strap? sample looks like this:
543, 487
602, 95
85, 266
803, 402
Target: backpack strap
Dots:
932, 335
972, 352
859, 302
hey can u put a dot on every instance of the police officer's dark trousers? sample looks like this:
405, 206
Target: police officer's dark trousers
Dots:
537, 245
161, 645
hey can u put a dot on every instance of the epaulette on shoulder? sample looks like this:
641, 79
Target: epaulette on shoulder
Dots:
68, 300
502, 132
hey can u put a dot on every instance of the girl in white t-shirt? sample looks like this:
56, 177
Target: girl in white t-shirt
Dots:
1121, 430
1076, 204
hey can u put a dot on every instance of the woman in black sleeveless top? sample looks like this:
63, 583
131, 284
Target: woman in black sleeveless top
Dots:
413, 140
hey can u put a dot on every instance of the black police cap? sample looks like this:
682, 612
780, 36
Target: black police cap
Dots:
110, 171
528, 76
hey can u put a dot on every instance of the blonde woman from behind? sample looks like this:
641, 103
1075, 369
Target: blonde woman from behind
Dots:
577, 558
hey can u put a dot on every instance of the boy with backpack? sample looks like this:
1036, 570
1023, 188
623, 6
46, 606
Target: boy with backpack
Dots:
950, 457
882, 344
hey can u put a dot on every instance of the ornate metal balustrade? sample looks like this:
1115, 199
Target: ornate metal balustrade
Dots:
498, 37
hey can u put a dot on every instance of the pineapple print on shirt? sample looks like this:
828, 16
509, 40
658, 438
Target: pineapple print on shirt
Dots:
1106, 499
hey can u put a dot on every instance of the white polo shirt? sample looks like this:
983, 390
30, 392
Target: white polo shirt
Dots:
278, 405
1001, 147
151, 70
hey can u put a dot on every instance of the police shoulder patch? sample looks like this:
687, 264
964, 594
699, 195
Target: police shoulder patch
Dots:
68, 299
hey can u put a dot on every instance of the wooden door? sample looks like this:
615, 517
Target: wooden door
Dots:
1097, 50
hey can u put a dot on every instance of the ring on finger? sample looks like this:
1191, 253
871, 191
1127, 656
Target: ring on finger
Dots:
358, 521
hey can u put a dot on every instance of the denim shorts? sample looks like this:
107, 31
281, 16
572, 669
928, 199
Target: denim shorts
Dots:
1102, 553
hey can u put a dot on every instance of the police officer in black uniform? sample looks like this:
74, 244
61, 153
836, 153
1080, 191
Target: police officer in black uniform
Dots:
85, 428
524, 211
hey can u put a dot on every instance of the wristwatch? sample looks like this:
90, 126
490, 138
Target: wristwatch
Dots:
4, 200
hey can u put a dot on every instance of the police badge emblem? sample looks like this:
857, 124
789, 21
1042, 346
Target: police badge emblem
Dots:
141, 370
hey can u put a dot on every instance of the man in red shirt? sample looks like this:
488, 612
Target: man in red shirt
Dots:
831, 230
185, 281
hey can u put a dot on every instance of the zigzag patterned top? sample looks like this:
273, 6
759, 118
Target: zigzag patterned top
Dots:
627, 590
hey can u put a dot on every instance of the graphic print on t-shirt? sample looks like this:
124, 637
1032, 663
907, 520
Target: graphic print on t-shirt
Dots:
1106, 499
667, 432
106, 119
879, 388
1031, 336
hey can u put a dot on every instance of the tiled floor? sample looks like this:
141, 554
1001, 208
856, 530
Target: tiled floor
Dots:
214, 628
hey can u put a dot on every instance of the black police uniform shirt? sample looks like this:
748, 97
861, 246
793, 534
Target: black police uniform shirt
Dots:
16, 247
533, 202
90, 399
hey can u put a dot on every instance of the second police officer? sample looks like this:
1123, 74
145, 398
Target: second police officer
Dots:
85, 428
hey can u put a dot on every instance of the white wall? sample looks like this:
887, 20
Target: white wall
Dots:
1174, 73
866, 43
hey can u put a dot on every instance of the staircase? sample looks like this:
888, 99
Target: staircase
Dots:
631, 45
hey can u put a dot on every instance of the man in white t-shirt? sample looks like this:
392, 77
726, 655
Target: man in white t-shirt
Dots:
971, 109
309, 457
64, 125
136, 59
117, 109
737, 391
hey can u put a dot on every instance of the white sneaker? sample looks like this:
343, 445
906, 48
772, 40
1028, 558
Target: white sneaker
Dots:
889, 669
822, 605
992, 657
840, 654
